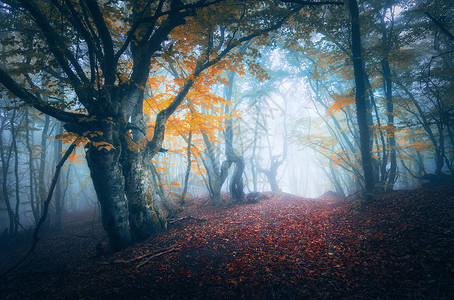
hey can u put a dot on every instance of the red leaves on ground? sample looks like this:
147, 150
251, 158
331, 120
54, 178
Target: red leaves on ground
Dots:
285, 247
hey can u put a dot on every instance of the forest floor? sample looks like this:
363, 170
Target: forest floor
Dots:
285, 247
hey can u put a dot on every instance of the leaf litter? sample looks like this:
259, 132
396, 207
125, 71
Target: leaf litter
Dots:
283, 247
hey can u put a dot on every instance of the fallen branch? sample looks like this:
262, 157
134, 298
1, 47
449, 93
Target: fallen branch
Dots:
156, 255
174, 220
153, 253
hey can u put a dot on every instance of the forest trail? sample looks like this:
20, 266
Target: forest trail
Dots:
283, 247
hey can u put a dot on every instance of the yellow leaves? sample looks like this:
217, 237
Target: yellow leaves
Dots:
383, 128
174, 183
86, 137
257, 70
419, 145
103, 145
75, 158
66, 137
198, 170
341, 101
69, 137
160, 169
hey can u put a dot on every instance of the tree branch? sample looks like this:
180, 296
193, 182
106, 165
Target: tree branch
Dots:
161, 119
59, 50
77, 23
440, 25
135, 26
36, 102
108, 64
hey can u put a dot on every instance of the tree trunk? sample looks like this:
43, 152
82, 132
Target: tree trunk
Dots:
216, 174
390, 113
254, 149
31, 171
336, 182
188, 171
109, 183
361, 107
122, 180
145, 218
58, 188
16, 172
271, 174
42, 167
6, 158
236, 185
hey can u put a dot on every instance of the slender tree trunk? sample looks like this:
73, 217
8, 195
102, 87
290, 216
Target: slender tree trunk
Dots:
336, 182
254, 149
427, 127
188, 171
42, 165
361, 107
236, 185
390, 113
16, 172
6, 158
158, 187
370, 121
31, 171
384, 159
58, 188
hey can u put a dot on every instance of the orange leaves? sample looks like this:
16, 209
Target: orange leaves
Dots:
66, 137
340, 102
257, 70
421, 145
103, 145
383, 128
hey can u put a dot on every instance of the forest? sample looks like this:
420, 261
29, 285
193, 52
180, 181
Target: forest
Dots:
226, 149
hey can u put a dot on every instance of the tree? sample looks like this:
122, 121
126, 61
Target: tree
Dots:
123, 41
360, 99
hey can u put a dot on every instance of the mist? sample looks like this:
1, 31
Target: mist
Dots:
175, 137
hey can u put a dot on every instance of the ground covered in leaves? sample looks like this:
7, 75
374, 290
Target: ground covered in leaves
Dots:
400, 246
